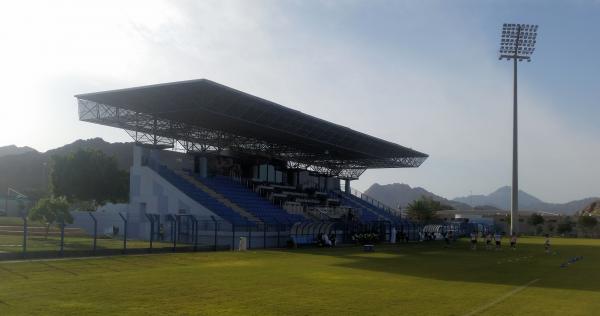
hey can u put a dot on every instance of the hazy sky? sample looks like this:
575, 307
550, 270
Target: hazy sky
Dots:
423, 74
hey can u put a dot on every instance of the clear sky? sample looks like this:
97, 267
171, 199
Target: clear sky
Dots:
423, 74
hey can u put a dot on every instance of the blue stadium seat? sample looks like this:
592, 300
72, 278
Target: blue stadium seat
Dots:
250, 201
200, 196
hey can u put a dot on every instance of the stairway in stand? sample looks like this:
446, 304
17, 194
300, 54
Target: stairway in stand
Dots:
373, 214
219, 197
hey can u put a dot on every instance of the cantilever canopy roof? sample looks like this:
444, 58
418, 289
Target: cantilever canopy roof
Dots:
200, 115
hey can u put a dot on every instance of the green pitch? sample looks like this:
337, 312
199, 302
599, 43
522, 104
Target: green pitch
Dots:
413, 279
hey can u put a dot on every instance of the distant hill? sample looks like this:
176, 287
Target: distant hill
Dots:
501, 199
14, 150
400, 194
28, 170
527, 202
486, 208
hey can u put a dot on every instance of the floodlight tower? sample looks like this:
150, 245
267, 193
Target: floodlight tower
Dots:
518, 44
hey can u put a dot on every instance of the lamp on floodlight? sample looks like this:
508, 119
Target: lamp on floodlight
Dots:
517, 43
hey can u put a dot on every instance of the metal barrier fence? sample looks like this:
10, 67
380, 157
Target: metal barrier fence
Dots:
175, 233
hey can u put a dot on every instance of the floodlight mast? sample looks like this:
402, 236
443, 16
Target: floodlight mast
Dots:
517, 43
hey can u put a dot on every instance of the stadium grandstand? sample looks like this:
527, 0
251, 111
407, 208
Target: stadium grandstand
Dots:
206, 153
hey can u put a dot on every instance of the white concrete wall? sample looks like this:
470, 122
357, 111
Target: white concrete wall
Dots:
106, 215
151, 194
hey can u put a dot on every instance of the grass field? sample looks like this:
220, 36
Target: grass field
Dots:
13, 243
413, 279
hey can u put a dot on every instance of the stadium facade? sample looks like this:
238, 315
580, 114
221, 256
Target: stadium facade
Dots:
209, 153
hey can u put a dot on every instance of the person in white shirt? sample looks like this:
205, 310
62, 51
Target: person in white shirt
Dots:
474, 240
498, 239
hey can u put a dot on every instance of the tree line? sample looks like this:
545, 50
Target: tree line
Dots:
83, 180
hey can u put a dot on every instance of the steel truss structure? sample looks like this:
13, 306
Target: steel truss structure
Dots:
200, 116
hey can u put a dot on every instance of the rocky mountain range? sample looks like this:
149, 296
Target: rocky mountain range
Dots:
26, 170
14, 150
401, 194
527, 202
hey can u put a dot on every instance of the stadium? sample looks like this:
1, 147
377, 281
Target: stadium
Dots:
240, 206
212, 164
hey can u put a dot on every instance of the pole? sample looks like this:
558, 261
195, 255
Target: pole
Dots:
24, 236
194, 231
95, 231
216, 230
514, 209
151, 233
278, 234
62, 237
264, 235
232, 236
249, 234
124, 232
151, 219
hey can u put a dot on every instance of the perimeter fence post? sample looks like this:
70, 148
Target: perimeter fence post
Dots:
124, 232
174, 233
151, 219
249, 227
62, 237
95, 232
232, 237
195, 231
278, 234
264, 235
25, 228
216, 229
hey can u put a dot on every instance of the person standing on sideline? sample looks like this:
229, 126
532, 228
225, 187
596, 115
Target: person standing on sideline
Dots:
488, 241
473, 240
547, 243
498, 239
513, 241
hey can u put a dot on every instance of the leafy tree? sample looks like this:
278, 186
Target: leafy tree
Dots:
539, 230
566, 226
551, 228
51, 210
423, 209
587, 223
535, 219
89, 177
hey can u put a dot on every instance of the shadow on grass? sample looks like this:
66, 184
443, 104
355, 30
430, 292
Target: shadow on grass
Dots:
58, 268
509, 267
13, 272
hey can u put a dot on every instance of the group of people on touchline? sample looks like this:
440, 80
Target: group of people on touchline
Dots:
497, 238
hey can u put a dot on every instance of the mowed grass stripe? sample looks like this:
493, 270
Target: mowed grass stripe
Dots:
414, 279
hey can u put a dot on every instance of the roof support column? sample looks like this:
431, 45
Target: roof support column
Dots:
347, 186
201, 165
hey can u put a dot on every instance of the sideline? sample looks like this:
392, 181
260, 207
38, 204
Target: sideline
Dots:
501, 298
81, 258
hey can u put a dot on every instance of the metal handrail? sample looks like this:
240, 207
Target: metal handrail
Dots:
374, 202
